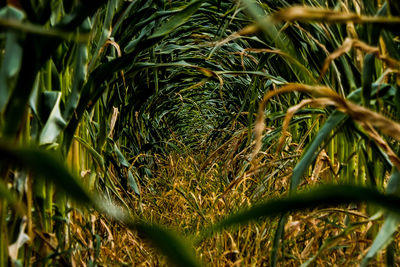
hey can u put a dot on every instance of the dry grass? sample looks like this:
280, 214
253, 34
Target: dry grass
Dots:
187, 198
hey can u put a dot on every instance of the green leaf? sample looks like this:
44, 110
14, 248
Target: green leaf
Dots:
121, 158
384, 237
135, 42
177, 19
11, 60
132, 182
80, 73
280, 229
55, 123
367, 77
96, 156
389, 227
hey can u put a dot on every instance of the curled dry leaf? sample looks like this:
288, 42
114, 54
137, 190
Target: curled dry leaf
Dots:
324, 97
118, 49
319, 163
113, 121
308, 248
315, 14
382, 143
291, 87
292, 110
349, 44
21, 240
110, 237
248, 30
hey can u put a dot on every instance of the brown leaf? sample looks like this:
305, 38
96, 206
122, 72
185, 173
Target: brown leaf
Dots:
315, 14
326, 96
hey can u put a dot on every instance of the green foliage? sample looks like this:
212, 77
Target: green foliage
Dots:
106, 86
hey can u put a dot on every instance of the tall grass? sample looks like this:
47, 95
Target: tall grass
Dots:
270, 97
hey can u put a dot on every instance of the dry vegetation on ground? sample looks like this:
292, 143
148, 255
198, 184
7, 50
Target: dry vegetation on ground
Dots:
187, 198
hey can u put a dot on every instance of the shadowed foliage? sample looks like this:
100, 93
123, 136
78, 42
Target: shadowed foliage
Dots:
122, 120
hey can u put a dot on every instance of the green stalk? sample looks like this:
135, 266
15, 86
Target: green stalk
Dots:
29, 194
331, 154
361, 175
48, 194
350, 163
4, 235
48, 207
341, 152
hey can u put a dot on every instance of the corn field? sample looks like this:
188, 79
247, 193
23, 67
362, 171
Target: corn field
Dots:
200, 133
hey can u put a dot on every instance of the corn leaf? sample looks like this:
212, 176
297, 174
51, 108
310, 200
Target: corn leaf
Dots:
389, 227
324, 196
177, 19
11, 62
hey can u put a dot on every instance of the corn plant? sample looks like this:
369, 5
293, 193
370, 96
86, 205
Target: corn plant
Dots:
108, 87
60, 67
